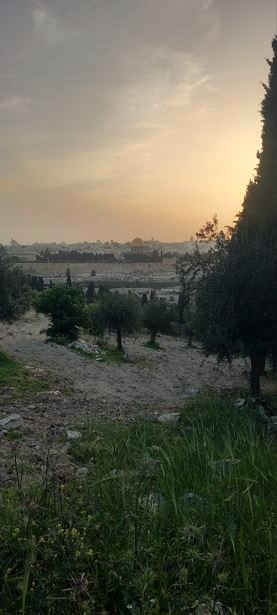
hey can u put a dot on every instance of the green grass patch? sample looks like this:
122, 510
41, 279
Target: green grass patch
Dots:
169, 518
13, 375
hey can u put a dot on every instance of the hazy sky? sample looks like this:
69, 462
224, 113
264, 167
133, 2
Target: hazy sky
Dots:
128, 117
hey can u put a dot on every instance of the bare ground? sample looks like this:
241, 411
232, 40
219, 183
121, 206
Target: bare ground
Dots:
151, 382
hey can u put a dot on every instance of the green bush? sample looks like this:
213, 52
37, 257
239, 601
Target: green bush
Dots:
66, 306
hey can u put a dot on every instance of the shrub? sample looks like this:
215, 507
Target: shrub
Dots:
67, 309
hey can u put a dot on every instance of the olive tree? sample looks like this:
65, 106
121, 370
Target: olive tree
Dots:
156, 318
120, 314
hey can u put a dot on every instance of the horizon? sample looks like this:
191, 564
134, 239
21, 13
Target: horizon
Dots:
104, 241
128, 118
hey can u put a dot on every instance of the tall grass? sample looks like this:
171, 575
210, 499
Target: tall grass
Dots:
169, 518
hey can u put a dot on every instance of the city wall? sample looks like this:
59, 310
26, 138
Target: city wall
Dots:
59, 269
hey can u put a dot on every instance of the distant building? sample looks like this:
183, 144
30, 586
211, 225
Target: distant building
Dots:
137, 245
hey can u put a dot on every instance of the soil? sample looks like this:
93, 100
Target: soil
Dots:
149, 383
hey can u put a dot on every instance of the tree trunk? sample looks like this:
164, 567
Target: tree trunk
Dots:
274, 361
190, 340
257, 370
119, 339
153, 337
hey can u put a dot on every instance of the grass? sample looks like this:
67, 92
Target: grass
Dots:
14, 376
168, 519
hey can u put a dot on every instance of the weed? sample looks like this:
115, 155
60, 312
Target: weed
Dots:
170, 519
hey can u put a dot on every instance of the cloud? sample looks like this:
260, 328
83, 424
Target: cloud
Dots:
88, 166
47, 27
168, 80
17, 104
207, 4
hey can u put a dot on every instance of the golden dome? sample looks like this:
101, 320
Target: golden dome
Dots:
137, 243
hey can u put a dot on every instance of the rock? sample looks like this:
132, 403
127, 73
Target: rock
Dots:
152, 502
172, 417
194, 500
13, 421
81, 473
191, 391
72, 434
239, 402
262, 412
84, 346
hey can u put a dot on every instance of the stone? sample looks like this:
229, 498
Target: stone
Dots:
172, 417
193, 500
72, 434
239, 402
81, 473
13, 421
191, 391
262, 412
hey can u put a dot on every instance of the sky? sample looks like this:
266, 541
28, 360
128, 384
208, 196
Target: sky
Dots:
121, 118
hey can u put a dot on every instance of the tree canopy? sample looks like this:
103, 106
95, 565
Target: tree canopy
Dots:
66, 306
118, 313
15, 292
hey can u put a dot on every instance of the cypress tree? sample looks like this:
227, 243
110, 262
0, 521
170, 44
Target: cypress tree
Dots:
259, 212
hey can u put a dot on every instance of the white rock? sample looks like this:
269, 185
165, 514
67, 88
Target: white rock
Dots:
13, 421
81, 473
172, 417
72, 434
191, 391
239, 403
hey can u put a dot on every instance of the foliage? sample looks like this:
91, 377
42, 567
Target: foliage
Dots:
237, 301
260, 204
66, 306
156, 318
118, 313
90, 293
168, 519
36, 282
15, 293
68, 277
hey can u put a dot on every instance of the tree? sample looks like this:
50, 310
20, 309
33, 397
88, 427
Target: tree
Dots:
236, 303
102, 290
156, 318
36, 283
68, 277
259, 212
91, 294
15, 292
144, 299
67, 309
209, 231
118, 313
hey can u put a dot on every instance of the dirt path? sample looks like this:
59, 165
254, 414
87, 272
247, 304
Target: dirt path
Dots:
156, 377
151, 382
